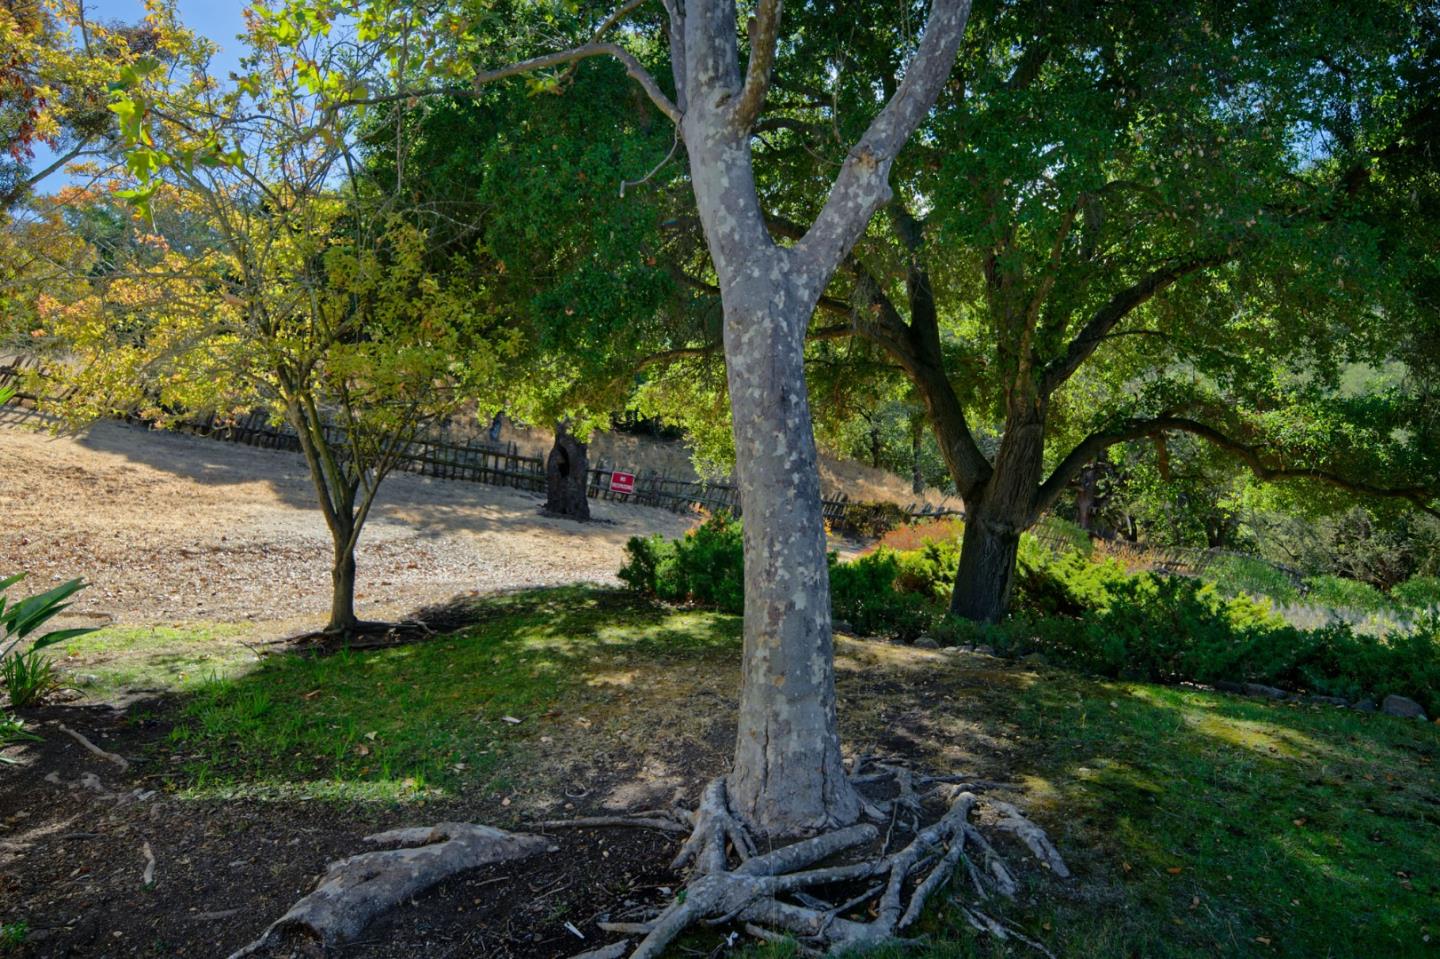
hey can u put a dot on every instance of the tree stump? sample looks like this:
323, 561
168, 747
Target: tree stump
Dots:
567, 473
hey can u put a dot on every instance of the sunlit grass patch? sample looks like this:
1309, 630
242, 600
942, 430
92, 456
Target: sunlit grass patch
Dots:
431, 717
128, 659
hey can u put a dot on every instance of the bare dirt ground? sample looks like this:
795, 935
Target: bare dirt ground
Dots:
171, 528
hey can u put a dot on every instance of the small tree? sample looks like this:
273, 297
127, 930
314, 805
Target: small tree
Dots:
305, 295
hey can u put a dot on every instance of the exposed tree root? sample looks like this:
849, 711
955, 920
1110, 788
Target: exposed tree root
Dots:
874, 894
666, 820
108, 756
364, 634
774, 894
358, 889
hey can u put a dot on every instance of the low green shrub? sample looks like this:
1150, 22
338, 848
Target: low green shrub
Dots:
865, 594
1169, 629
1419, 592
1234, 574
706, 566
1060, 535
1091, 615
930, 570
1336, 592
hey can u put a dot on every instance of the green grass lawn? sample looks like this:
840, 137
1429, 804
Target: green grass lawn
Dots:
1197, 824
120, 660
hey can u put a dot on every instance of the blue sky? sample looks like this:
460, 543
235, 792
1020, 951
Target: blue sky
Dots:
220, 20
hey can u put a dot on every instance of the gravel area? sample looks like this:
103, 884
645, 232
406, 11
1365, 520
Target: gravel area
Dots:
173, 528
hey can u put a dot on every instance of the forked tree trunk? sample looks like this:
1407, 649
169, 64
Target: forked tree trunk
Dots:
788, 778
567, 473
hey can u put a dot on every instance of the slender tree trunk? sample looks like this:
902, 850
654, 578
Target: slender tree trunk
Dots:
788, 777
1086, 497
342, 595
567, 474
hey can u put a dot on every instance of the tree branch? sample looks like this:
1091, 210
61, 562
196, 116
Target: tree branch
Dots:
1251, 456
863, 184
631, 64
764, 35
1116, 309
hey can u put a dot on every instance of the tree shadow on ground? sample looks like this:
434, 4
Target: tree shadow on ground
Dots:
1196, 823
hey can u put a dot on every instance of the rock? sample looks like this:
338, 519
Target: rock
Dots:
1268, 692
1404, 708
1364, 705
1035, 659
1225, 686
840, 626
1326, 701
986, 650
926, 642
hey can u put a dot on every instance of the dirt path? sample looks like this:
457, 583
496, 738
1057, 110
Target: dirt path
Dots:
171, 528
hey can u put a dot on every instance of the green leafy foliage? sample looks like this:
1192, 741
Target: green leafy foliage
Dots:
1090, 614
705, 566
866, 594
12, 731
1170, 629
21, 619
1235, 575
13, 935
28, 678
1338, 592
1419, 592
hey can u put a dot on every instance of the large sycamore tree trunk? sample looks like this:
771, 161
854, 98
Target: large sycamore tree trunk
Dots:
788, 777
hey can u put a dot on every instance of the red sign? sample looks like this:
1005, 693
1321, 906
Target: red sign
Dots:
622, 482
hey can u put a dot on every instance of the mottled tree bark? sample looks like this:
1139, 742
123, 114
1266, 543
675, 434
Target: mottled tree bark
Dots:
788, 777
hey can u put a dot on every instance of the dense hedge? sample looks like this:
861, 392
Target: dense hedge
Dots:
1088, 614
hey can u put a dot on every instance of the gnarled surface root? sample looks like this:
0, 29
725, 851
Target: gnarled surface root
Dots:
772, 894
358, 889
